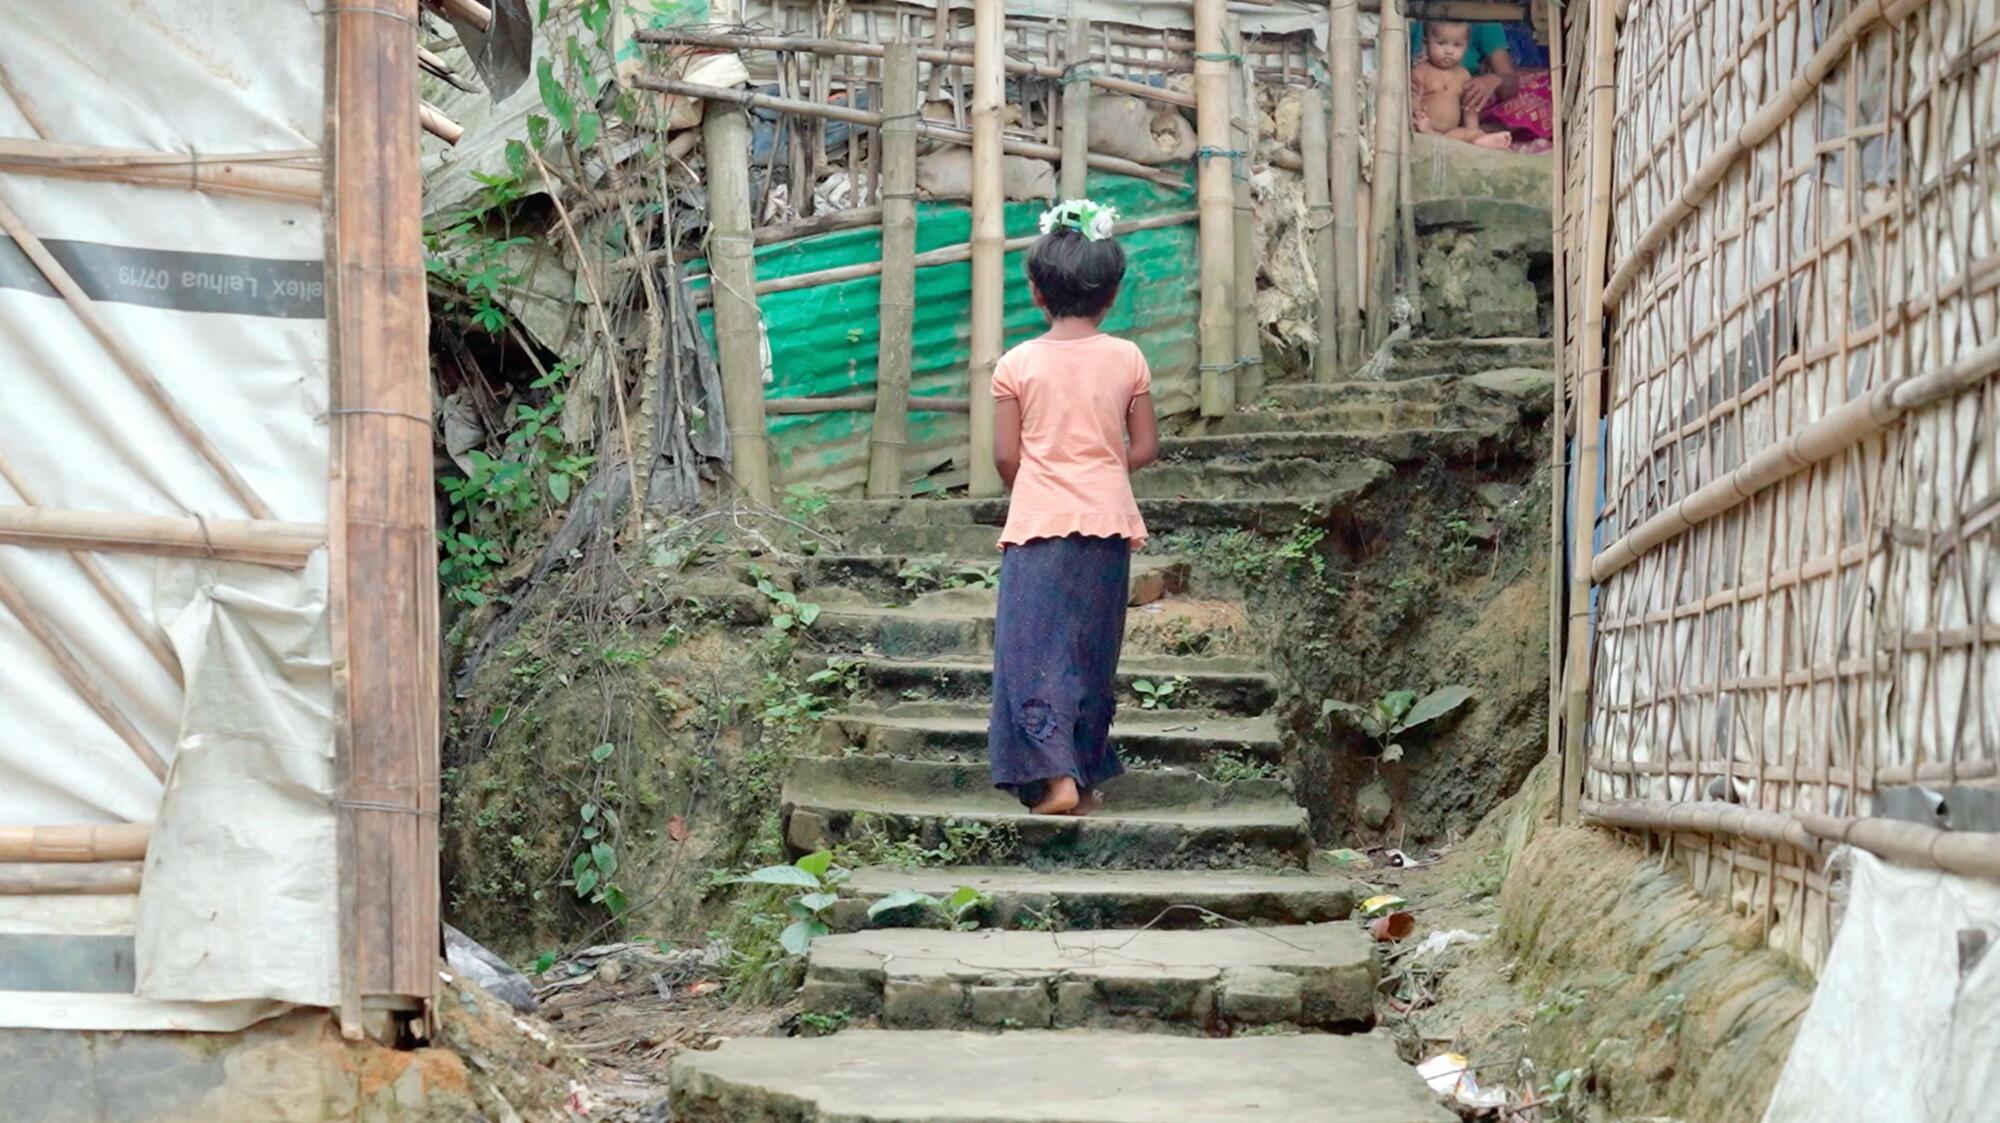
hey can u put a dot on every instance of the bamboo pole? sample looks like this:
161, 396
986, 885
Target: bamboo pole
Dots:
1838, 430
897, 313
738, 324
273, 175
1406, 213
943, 255
1392, 126
1558, 424
1967, 853
438, 125
1012, 146
728, 41
383, 603
1076, 109
1243, 131
1590, 353
285, 545
471, 11
1344, 191
80, 303
41, 879
147, 632
79, 679
1216, 201
76, 842
1319, 209
988, 232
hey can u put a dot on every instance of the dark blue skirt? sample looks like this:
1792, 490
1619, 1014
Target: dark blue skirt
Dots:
1055, 663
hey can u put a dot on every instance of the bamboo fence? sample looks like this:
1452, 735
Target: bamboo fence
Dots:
1780, 240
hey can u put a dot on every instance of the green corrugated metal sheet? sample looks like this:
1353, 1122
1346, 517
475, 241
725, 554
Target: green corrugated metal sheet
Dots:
823, 339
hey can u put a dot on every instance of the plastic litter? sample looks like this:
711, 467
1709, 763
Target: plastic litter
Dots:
1450, 1075
1392, 927
1438, 942
1381, 904
466, 956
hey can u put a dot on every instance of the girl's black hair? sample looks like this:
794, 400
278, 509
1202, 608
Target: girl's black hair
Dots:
1076, 276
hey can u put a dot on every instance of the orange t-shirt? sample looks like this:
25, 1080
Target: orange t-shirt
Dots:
1074, 394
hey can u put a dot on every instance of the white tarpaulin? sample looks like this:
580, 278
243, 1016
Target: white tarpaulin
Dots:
1903, 1022
221, 298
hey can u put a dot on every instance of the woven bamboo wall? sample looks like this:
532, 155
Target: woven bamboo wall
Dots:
1804, 220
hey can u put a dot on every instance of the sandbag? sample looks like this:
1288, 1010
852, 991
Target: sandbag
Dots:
1146, 132
947, 174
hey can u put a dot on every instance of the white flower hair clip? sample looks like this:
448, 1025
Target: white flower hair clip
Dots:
1092, 220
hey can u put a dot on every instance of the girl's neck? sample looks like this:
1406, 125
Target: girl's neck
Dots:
1070, 327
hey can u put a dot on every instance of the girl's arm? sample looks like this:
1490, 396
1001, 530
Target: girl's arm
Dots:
1142, 431
1007, 439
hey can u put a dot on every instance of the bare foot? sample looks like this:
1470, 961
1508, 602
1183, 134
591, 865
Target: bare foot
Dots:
1494, 140
1060, 798
1089, 803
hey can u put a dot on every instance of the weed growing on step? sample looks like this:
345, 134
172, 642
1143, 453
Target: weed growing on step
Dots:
772, 926
959, 912
824, 1025
1227, 767
873, 842
935, 572
1158, 695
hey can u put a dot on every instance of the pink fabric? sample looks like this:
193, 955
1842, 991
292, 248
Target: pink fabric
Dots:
1530, 114
1074, 394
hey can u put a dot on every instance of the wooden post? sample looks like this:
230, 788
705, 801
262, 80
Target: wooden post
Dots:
1392, 127
1217, 205
1249, 349
1344, 64
383, 594
1076, 109
899, 272
1406, 208
1590, 353
988, 231
1319, 214
739, 341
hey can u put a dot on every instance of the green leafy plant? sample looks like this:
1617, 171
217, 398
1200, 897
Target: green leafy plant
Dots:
1395, 713
788, 611
960, 911
1156, 695
819, 881
592, 871
928, 574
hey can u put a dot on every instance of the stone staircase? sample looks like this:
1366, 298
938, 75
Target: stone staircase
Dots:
1175, 957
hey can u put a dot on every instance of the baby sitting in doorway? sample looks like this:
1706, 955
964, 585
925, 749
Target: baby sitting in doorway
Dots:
1437, 85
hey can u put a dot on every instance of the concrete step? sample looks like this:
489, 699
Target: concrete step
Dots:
986, 828
878, 1076
969, 784
859, 522
938, 729
1331, 445
960, 622
1382, 417
1080, 899
1331, 481
1208, 980
1219, 685
1419, 358
901, 579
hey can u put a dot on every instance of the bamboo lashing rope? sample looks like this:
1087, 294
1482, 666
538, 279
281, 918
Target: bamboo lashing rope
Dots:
285, 174
80, 303
1755, 131
1838, 430
147, 631
925, 127
285, 545
722, 40
75, 842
